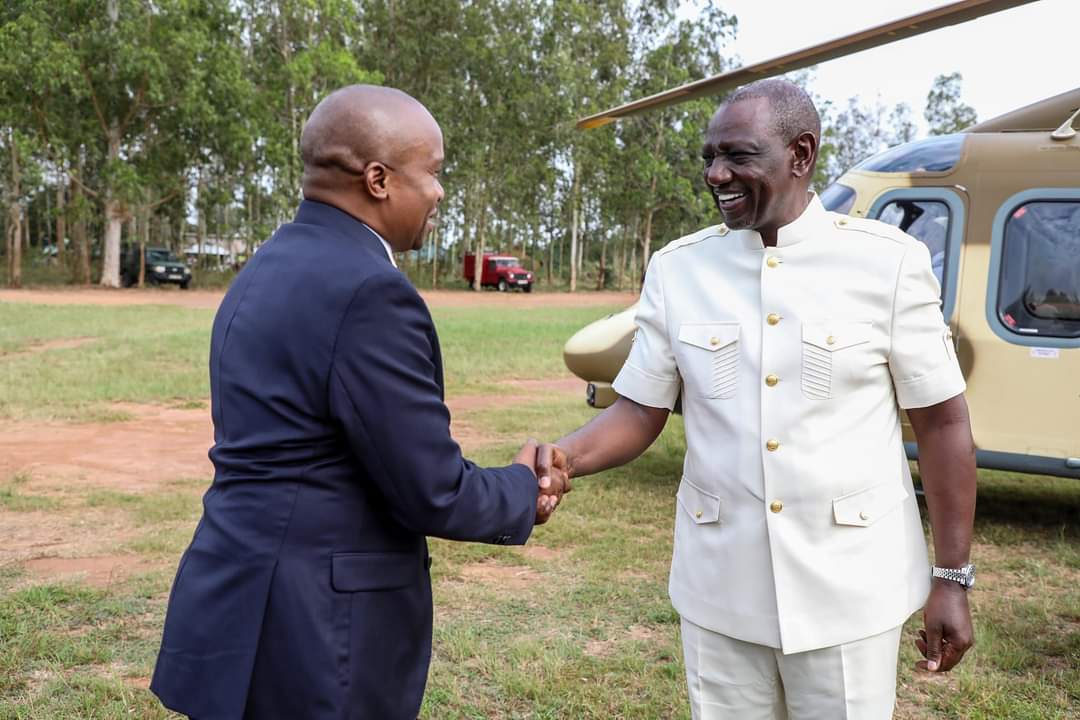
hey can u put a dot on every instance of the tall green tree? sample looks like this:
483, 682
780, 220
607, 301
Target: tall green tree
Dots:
139, 74
857, 132
945, 111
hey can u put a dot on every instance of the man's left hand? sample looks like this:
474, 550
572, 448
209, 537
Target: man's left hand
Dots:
948, 633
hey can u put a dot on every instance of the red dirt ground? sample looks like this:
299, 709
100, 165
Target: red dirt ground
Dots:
160, 445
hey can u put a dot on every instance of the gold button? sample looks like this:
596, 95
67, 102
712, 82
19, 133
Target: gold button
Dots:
722, 230
772, 444
714, 341
698, 514
772, 318
771, 380
864, 515
772, 261
776, 506
842, 221
830, 340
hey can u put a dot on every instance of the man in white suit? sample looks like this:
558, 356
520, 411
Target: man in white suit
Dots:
794, 336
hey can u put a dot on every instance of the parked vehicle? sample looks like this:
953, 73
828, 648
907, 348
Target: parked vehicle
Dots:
499, 271
162, 266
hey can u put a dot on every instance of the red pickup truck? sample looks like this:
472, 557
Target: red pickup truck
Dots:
499, 271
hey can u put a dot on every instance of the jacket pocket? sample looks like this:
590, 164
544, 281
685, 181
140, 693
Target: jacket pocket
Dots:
366, 572
703, 507
823, 346
708, 358
865, 507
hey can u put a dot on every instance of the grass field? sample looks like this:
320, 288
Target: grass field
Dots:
575, 625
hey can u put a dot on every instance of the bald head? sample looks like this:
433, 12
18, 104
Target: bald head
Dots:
793, 112
359, 124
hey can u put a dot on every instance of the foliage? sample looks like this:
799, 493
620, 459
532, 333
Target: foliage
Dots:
945, 111
177, 122
858, 131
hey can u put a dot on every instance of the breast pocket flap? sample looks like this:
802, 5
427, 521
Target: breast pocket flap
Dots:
865, 507
361, 572
833, 336
709, 336
703, 507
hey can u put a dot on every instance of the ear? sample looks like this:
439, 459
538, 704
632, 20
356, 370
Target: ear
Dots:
804, 150
376, 180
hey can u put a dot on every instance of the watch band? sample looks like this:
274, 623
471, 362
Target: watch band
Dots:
964, 575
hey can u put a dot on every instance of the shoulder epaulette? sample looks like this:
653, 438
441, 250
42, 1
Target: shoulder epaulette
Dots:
694, 238
871, 227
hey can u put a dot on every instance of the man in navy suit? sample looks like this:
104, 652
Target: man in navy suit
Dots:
305, 593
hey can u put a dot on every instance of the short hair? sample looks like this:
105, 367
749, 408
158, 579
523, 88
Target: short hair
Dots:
793, 112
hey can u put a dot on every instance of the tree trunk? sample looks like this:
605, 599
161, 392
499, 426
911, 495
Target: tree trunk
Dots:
646, 241
603, 259
551, 259
114, 218
574, 217
110, 265
143, 238
478, 252
200, 228
81, 237
61, 218
114, 211
15, 219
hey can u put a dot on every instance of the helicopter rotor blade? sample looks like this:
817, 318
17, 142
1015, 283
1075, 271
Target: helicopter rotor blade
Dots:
944, 16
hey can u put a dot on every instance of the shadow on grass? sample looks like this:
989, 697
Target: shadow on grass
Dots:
1034, 505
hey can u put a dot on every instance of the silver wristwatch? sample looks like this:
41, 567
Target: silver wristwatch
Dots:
965, 575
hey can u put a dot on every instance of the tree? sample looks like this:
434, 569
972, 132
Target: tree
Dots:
857, 132
138, 79
945, 111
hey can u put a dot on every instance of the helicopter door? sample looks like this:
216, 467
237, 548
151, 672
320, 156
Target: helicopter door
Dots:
935, 217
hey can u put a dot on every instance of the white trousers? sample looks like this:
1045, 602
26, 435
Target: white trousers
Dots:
734, 680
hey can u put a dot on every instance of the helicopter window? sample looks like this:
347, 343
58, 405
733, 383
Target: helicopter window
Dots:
1039, 286
934, 154
838, 198
926, 221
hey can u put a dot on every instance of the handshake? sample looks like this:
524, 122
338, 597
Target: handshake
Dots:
549, 464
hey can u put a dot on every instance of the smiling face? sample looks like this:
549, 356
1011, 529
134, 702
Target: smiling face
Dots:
414, 190
757, 180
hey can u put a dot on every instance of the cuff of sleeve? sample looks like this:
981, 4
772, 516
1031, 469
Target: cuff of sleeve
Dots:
646, 389
944, 383
519, 534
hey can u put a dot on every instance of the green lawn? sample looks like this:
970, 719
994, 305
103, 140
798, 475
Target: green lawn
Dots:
575, 625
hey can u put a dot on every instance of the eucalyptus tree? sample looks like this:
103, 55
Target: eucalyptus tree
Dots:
662, 149
140, 72
945, 111
298, 51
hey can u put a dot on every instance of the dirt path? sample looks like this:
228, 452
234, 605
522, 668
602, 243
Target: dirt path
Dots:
210, 299
145, 455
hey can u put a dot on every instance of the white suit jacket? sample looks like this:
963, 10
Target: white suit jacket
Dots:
796, 524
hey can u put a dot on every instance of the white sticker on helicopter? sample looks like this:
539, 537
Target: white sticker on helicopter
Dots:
1045, 353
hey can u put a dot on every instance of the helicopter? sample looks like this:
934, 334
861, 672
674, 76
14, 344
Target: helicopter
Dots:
998, 207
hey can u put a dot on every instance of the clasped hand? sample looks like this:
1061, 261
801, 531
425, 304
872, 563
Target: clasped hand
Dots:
549, 464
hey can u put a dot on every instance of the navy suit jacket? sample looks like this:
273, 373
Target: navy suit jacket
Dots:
305, 592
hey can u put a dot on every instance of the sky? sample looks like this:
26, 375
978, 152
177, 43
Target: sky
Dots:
1008, 59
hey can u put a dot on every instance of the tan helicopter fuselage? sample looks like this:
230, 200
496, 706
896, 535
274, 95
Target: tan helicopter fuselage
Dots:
1023, 389
1024, 398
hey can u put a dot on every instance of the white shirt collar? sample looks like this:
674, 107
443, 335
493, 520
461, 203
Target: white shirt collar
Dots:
386, 245
801, 228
